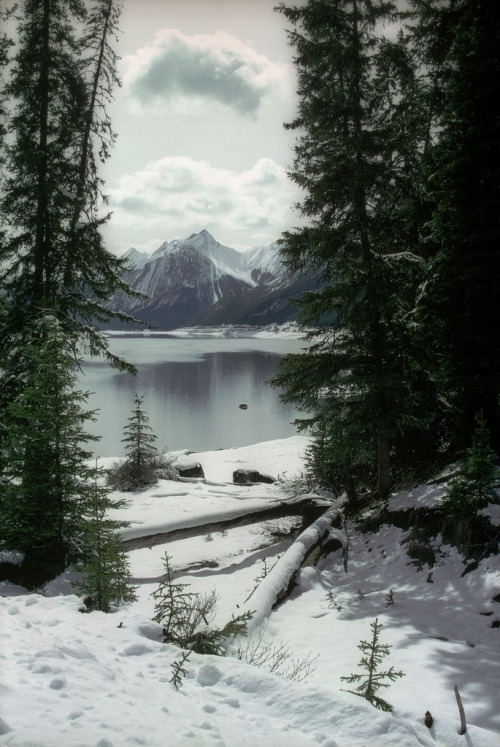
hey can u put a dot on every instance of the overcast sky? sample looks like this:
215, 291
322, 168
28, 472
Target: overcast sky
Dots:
207, 86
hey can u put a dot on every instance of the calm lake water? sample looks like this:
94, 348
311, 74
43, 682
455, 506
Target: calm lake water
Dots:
193, 388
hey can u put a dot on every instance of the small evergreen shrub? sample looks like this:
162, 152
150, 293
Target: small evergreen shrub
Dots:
178, 671
373, 653
186, 617
143, 465
472, 489
102, 559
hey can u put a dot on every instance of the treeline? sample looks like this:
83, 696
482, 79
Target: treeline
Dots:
398, 153
56, 276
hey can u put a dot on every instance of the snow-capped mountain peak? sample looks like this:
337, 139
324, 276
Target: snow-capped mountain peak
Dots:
184, 277
136, 258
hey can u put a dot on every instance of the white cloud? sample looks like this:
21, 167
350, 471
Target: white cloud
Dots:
178, 195
217, 67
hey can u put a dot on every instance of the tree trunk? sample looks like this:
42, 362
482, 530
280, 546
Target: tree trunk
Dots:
375, 332
42, 197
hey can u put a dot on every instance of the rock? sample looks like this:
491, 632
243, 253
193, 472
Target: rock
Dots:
196, 470
245, 476
186, 466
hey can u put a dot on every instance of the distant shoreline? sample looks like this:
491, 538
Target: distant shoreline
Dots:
290, 330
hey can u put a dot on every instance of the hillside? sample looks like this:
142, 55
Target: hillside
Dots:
94, 679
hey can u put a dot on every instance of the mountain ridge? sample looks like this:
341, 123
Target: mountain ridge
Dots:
190, 279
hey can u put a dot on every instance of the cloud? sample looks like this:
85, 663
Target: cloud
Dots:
178, 195
217, 67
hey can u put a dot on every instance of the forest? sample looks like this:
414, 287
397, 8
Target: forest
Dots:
397, 150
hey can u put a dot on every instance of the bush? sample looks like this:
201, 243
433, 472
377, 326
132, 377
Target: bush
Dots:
127, 477
275, 657
186, 617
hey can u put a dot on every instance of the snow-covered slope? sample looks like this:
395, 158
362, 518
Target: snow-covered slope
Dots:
265, 264
185, 277
79, 680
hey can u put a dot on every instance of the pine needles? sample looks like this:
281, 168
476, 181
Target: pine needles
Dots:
373, 654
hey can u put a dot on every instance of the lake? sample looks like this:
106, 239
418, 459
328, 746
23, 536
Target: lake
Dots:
193, 388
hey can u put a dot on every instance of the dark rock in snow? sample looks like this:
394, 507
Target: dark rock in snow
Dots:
195, 470
245, 476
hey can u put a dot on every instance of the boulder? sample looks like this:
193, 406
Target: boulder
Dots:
246, 476
195, 471
186, 466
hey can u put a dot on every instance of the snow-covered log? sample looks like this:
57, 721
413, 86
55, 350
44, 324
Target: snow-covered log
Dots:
279, 578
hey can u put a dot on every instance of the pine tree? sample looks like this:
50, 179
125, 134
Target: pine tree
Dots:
358, 158
52, 253
182, 613
45, 475
140, 468
172, 603
472, 489
460, 302
373, 654
102, 559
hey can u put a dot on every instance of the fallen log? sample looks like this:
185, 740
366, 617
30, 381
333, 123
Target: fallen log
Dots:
306, 508
277, 585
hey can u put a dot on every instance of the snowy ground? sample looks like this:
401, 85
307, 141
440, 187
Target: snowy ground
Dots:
69, 679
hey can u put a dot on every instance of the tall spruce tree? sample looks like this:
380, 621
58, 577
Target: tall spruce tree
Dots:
460, 302
46, 476
358, 156
52, 252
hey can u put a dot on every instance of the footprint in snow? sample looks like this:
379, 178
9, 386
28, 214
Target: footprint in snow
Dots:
58, 683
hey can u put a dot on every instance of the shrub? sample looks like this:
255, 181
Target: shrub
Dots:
373, 653
143, 465
186, 617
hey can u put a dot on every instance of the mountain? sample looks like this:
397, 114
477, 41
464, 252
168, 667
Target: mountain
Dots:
191, 280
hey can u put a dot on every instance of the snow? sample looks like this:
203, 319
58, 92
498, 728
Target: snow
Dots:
104, 680
288, 331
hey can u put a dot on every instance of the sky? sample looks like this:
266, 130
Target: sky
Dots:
206, 88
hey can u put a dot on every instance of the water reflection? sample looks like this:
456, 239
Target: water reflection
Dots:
193, 403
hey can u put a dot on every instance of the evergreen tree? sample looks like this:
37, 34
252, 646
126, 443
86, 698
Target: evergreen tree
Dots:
186, 616
140, 468
472, 489
358, 157
373, 654
5, 43
52, 253
51, 250
45, 475
460, 303
173, 604
102, 559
